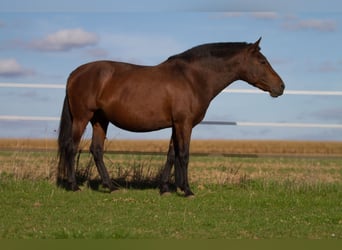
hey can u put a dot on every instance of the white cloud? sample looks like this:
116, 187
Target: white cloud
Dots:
323, 25
265, 15
65, 40
223, 15
11, 68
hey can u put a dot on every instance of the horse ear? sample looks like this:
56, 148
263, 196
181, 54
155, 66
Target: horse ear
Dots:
257, 42
255, 46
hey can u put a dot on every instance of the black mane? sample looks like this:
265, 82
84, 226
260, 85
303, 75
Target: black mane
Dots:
210, 50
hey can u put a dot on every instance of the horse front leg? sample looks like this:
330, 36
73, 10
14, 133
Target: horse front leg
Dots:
181, 173
165, 178
181, 140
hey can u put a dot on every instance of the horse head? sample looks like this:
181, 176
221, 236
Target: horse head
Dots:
257, 71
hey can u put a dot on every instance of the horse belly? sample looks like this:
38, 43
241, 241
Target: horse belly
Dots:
139, 118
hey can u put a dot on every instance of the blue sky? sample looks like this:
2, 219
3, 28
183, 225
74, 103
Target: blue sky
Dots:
42, 42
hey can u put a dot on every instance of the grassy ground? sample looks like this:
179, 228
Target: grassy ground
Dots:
248, 197
254, 211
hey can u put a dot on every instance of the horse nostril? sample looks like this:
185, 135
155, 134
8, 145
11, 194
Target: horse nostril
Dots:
282, 86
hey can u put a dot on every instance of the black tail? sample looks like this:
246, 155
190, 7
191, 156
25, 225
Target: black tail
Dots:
65, 145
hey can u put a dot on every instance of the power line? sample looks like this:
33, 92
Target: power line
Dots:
226, 123
288, 125
227, 90
286, 92
28, 118
32, 85
274, 124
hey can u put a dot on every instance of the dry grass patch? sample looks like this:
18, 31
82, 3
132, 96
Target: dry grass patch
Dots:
197, 146
228, 170
28, 165
213, 167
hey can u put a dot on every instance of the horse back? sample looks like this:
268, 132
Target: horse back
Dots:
95, 73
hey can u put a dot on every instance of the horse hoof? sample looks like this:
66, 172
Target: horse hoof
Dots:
189, 194
164, 190
113, 190
76, 189
167, 193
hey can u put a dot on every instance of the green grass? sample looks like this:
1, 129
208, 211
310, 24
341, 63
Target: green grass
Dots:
254, 210
236, 198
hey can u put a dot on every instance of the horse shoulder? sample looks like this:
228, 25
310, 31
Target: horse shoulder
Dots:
192, 77
186, 90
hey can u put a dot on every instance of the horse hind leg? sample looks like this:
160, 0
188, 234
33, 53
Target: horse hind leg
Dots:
100, 125
78, 128
71, 128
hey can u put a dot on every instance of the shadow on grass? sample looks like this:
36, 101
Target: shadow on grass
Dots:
140, 175
96, 184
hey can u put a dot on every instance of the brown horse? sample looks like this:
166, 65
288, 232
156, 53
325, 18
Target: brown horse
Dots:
175, 93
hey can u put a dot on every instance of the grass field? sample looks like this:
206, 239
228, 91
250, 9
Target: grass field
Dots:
264, 193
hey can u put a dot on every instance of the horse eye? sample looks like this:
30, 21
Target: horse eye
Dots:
263, 62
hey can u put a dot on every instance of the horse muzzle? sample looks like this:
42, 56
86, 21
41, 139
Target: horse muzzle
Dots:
275, 92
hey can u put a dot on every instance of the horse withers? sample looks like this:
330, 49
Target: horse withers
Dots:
174, 94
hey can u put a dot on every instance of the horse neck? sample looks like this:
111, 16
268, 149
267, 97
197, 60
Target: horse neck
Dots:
217, 74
